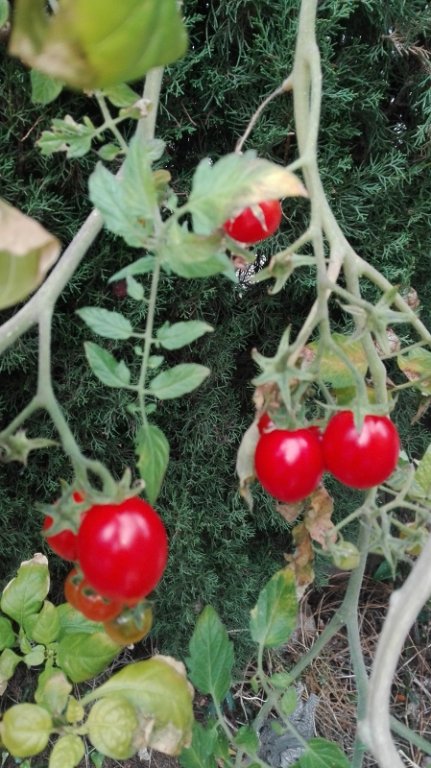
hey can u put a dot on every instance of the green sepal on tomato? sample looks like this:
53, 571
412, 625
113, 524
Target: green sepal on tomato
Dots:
131, 625
64, 543
255, 223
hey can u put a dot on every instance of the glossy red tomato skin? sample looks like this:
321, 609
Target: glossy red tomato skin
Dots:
248, 228
289, 464
265, 423
63, 543
123, 549
360, 460
89, 602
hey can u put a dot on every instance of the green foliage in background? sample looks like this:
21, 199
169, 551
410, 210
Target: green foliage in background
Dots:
374, 152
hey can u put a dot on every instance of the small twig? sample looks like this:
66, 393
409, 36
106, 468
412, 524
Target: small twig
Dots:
283, 88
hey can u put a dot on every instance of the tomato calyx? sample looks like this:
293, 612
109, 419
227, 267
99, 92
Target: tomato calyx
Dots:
61, 522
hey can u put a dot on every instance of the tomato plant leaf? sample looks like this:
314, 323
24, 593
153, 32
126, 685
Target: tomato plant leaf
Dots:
121, 95
9, 661
73, 622
43, 627
67, 136
152, 449
35, 657
221, 190
245, 462
26, 592
423, 472
4, 12
105, 366
247, 738
200, 754
127, 204
7, 634
134, 289
109, 151
211, 655
53, 690
27, 252
321, 753
110, 325
44, 89
274, 616
415, 365
180, 334
333, 370
112, 724
67, 752
193, 255
98, 44
162, 697
83, 656
25, 729
179, 380
139, 267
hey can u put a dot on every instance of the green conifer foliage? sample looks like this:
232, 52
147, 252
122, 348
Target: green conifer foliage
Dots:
374, 146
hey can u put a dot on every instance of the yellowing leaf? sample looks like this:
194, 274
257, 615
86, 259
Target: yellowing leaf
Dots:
27, 251
416, 365
333, 369
100, 43
317, 518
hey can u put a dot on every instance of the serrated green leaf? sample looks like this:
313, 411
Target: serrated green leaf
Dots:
83, 656
139, 267
192, 255
178, 381
211, 655
152, 450
423, 472
416, 364
110, 325
323, 754
332, 368
247, 738
4, 12
159, 692
112, 724
67, 752
200, 754
105, 366
25, 729
7, 634
44, 89
98, 44
127, 203
221, 190
274, 616
67, 136
121, 95
25, 594
27, 252
179, 334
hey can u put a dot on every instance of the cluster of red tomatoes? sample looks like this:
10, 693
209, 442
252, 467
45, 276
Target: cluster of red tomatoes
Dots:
120, 553
289, 464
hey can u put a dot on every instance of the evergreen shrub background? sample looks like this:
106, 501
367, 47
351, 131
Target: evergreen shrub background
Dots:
374, 150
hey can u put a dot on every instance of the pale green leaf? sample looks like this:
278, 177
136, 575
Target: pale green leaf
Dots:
179, 334
83, 656
7, 634
211, 655
53, 690
112, 724
25, 593
27, 252
139, 267
274, 616
43, 627
67, 136
98, 44
134, 289
192, 255
423, 472
44, 89
4, 12
121, 95
110, 325
323, 754
200, 754
333, 370
25, 729
67, 752
152, 450
178, 381
105, 366
415, 365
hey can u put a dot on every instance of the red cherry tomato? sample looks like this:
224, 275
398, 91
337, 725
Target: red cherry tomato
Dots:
122, 549
63, 543
89, 602
289, 464
255, 224
132, 625
360, 460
